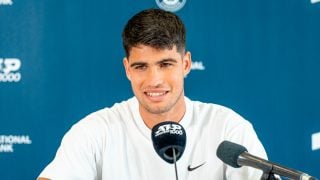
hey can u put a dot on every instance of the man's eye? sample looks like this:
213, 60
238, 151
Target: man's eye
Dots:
164, 65
140, 67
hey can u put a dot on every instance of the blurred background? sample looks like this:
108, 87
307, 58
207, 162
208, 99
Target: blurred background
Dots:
61, 60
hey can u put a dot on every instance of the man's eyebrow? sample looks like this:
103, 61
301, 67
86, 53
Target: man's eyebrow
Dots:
167, 60
138, 64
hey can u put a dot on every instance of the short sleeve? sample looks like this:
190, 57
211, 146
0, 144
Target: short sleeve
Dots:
76, 157
243, 133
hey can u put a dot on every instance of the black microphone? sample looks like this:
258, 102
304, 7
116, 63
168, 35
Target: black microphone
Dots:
166, 137
236, 156
169, 141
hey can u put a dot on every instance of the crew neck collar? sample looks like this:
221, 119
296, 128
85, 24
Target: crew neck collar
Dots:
146, 132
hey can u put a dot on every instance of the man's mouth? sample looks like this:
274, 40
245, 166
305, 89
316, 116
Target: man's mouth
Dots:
156, 94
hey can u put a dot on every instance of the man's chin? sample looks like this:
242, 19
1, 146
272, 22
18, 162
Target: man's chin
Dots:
157, 109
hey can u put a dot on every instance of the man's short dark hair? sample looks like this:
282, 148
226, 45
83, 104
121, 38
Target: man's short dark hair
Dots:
156, 28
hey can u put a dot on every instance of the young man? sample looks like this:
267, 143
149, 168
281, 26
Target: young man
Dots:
115, 143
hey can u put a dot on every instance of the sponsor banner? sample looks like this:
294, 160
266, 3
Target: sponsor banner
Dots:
315, 1
315, 141
7, 142
197, 65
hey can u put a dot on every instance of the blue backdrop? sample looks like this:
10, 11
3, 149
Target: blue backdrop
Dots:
60, 60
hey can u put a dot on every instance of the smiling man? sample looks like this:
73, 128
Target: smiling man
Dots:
156, 76
115, 143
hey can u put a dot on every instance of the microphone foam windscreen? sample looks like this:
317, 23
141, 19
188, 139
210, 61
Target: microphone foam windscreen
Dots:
166, 136
229, 152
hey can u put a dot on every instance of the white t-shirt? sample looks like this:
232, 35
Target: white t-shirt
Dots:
114, 144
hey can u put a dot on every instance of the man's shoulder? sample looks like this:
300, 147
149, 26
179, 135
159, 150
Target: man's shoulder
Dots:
116, 113
217, 112
208, 106
117, 107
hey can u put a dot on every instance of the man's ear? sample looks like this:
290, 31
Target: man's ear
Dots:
126, 67
187, 62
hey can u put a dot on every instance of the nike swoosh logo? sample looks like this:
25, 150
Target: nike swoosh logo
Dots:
193, 168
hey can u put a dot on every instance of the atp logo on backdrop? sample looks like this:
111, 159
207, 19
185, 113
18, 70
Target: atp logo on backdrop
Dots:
9, 70
6, 2
171, 5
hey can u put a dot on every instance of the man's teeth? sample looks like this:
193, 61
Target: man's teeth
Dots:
156, 94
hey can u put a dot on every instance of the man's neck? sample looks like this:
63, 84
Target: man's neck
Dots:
175, 114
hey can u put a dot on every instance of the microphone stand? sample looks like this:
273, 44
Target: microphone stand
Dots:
268, 176
175, 162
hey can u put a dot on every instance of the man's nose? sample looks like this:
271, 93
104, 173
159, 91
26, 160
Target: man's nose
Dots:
155, 77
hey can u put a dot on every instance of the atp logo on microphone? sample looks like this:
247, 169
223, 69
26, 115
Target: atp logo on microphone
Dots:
169, 128
9, 70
